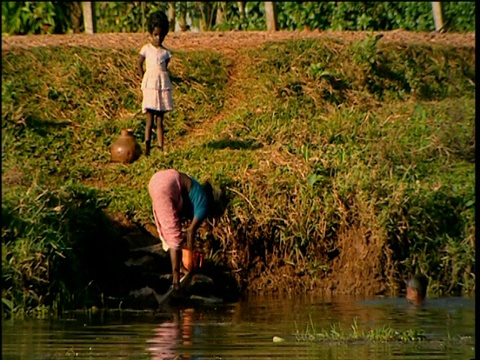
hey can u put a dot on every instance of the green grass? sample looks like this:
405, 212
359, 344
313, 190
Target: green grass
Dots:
312, 138
337, 334
385, 334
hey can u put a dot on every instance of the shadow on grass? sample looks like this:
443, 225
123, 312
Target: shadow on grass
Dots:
38, 125
234, 144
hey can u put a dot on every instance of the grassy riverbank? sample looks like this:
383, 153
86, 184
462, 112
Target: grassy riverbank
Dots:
349, 165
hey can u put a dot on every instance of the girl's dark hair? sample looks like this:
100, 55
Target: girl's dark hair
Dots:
217, 200
419, 282
158, 19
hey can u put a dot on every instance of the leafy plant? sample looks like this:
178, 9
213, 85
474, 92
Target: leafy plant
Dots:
28, 17
47, 17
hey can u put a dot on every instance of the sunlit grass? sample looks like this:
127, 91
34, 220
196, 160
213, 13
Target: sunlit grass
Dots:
336, 334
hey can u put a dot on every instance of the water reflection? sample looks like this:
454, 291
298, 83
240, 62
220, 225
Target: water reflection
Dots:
171, 335
245, 331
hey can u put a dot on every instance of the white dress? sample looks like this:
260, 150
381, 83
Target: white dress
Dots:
156, 84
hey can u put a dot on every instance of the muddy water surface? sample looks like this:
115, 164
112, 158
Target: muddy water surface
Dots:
246, 330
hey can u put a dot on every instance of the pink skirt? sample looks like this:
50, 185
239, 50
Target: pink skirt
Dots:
166, 193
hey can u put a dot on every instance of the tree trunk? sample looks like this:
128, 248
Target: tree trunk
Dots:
206, 11
241, 10
182, 23
271, 13
171, 15
76, 16
221, 12
89, 17
438, 15
142, 4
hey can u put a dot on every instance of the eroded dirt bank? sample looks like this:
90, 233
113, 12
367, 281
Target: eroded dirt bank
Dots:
227, 42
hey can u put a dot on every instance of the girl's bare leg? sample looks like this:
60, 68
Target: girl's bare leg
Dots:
160, 130
148, 131
175, 258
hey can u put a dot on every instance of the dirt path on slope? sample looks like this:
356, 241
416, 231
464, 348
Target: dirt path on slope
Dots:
234, 97
227, 42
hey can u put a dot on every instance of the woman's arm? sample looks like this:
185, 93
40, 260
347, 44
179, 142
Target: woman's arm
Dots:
168, 60
141, 60
191, 231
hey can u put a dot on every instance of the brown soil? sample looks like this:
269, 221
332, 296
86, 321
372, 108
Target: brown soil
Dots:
227, 42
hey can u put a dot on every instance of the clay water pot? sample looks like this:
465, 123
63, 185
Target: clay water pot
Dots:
191, 259
125, 149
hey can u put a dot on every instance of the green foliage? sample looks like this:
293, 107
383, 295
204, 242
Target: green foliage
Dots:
35, 17
458, 15
301, 15
376, 16
47, 17
26, 18
253, 18
114, 16
335, 334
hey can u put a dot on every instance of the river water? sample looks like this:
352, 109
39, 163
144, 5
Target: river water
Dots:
246, 330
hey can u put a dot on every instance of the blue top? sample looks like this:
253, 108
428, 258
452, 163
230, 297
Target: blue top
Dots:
199, 200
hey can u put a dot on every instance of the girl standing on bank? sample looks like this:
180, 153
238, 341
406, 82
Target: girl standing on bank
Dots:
156, 84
